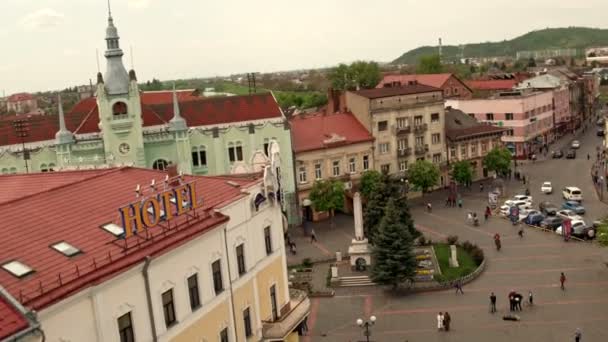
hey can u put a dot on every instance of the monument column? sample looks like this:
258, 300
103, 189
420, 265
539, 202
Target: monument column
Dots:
359, 251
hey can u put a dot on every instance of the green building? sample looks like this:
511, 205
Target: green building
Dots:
123, 126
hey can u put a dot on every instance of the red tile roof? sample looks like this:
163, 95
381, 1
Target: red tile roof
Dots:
12, 320
492, 84
396, 91
312, 132
164, 96
157, 109
433, 80
470, 132
20, 97
31, 224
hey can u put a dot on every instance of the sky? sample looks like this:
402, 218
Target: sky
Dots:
51, 44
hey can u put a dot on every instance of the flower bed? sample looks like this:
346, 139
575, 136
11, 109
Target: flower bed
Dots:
465, 260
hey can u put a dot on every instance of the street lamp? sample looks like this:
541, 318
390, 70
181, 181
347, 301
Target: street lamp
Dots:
365, 325
22, 129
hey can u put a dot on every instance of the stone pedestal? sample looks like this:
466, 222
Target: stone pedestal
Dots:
454, 257
360, 253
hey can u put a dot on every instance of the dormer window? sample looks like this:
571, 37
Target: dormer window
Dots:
119, 108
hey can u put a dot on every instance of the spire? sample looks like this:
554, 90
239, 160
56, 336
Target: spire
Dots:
177, 123
116, 77
63, 136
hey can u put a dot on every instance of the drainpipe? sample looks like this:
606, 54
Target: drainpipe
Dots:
149, 297
236, 337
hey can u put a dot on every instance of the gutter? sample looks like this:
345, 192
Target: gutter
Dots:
149, 297
30, 316
236, 337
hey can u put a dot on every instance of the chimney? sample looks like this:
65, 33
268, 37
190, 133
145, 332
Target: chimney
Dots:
334, 98
172, 173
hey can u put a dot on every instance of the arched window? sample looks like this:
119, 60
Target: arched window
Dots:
43, 168
5, 171
160, 164
51, 167
199, 156
119, 108
13, 170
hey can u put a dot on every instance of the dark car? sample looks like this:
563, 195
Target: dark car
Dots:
548, 208
552, 222
600, 132
571, 154
534, 219
557, 154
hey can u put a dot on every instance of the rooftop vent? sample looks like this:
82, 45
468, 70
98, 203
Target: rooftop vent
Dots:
66, 249
18, 269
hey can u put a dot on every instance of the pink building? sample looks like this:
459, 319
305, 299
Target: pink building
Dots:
21, 103
529, 115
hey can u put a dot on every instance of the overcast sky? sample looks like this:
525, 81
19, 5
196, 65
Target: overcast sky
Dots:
50, 44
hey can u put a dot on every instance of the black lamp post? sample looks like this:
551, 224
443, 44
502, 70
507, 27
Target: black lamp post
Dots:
22, 130
365, 325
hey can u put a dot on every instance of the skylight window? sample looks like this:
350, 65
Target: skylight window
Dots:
66, 249
18, 269
113, 229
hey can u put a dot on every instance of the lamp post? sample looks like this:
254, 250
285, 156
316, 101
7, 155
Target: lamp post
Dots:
21, 127
365, 325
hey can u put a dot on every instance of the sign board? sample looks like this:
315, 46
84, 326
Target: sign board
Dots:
163, 206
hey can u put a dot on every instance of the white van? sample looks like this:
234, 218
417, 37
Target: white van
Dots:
572, 193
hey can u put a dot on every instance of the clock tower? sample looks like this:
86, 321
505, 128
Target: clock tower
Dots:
119, 105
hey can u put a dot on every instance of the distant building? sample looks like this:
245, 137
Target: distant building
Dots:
451, 85
21, 103
597, 54
547, 53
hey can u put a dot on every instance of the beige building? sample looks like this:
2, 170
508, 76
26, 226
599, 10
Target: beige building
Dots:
467, 139
329, 146
212, 268
407, 124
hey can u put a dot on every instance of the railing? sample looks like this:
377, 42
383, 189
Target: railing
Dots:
291, 315
420, 128
421, 149
406, 152
402, 130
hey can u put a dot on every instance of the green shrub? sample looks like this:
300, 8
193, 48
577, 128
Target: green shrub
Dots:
467, 246
477, 255
422, 241
452, 239
307, 263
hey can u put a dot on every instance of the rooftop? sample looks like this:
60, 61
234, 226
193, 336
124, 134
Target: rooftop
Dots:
320, 131
12, 320
546, 81
20, 97
459, 125
491, 84
67, 212
396, 91
433, 80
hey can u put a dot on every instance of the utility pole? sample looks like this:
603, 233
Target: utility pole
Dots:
22, 130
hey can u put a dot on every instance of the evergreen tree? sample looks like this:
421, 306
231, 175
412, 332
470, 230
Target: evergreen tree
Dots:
394, 260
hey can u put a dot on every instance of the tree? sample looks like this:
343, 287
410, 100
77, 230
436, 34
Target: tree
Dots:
462, 172
423, 175
429, 65
498, 160
394, 260
531, 63
355, 76
503, 66
370, 181
327, 195
602, 233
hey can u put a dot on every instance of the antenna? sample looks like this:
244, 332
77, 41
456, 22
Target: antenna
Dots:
109, 9
132, 64
97, 58
440, 48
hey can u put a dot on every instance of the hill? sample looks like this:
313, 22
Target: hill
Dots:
551, 38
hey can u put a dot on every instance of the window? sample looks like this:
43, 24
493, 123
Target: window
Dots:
472, 115
473, 150
455, 90
490, 116
273, 302
365, 163
66, 249
195, 300
199, 156
401, 144
125, 328
268, 240
43, 168
266, 144
420, 140
318, 173
436, 138
247, 323
302, 174
18, 269
169, 308
418, 120
336, 168
403, 166
235, 152
383, 147
113, 229
385, 168
216, 269
352, 165
509, 116
224, 335
463, 151
160, 164
437, 158
382, 126
453, 152
240, 259
119, 108
484, 147
434, 117
51, 167
402, 122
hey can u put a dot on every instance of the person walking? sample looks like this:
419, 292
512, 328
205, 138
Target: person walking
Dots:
521, 231
440, 321
458, 286
460, 202
488, 213
562, 280
446, 321
480, 187
313, 236
578, 335
530, 298
492, 302
429, 207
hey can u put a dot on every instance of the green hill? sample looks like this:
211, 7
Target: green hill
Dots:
551, 38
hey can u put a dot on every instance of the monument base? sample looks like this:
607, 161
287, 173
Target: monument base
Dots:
360, 254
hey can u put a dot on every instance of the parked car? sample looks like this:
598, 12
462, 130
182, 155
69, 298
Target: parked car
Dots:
569, 214
505, 210
534, 219
548, 208
572, 193
551, 222
600, 132
522, 205
557, 154
575, 144
580, 230
546, 188
574, 206
571, 154
526, 198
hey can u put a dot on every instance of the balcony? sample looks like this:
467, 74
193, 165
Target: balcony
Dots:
420, 128
292, 314
404, 153
421, 149
402, 130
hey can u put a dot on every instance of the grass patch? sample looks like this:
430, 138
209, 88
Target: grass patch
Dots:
466, 262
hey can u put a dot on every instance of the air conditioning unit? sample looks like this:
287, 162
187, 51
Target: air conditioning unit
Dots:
348, 185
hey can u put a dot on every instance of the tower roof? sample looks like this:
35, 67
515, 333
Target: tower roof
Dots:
63, 136
116, 76
177, 123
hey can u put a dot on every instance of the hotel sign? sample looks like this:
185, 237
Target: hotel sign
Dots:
163, 206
